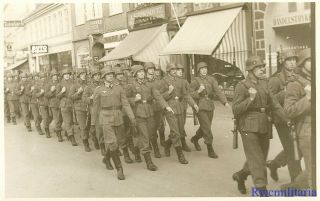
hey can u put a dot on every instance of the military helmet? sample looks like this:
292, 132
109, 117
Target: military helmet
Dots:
35, 74
253, 62
303, 56
106, 70
23, 75
179, 66
54, 72
118, 70
95, 71
148, 65
201, 64
171, 66
29, 75
42, 75
80, 71
136, 68
66, 71
288, 54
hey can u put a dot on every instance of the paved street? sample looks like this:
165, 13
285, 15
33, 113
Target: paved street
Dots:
39, 167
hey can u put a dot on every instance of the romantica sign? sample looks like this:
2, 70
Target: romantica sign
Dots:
291, 20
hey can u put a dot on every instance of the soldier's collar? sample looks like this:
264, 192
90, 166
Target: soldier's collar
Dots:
252, 78
108, 84
140, 81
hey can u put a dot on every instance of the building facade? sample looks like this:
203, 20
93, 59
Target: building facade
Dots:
48, 38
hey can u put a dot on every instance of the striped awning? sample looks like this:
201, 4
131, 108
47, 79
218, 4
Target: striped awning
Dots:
233, 46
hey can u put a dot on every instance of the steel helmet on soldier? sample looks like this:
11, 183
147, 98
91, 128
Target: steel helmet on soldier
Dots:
179, 66
303, 56
136, 68
95, 71
148, 65
201, 65
171, 66
118, 70
42, 75
107, 70
80, 71
66, 71
288, 54
254, 61
54, 72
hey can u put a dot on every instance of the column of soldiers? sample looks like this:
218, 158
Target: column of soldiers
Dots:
126, 109
285, 101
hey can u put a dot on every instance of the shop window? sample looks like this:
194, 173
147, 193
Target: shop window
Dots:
115, 8
292, 7
307, 5
80, 13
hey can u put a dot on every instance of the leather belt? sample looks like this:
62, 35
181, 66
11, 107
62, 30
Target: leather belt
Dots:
112, 108
261, 109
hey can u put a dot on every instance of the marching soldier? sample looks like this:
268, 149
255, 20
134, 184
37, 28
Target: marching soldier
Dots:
297, 106
174, 91
180, 73
21, 91
124, 83
6, 104
202, 89
159, 118
277, 86
251, 105
63, 93
108, 100
43, 103
88, 98
34, 89
141, 95
12, 98
157, 108
54, 103
81, 109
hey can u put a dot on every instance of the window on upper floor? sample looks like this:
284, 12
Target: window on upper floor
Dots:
60, 23
54, 24
66, 21
204, 6
93, 10
307, 5
49, 27
80, 13
292, 7
115, 8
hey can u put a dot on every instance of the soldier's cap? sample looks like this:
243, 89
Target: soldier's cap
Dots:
254, 61
107, 70
80, 71
148, 65
288, 54
136, 68
303, 56
171, 66
201, 64
118, 70
66, 71
42, 75
54, 72
95, 71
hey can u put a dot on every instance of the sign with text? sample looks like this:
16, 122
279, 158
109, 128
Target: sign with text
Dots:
13, 23
113, 39
146, 16
37, 49
291, 20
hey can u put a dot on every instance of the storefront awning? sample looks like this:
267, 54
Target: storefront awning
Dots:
135, 42
17, 64
200, 34
233, 47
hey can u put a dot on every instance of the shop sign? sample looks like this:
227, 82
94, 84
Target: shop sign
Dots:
95, 26
291, 20
13, 23
113, 39
36, 49
146, 16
